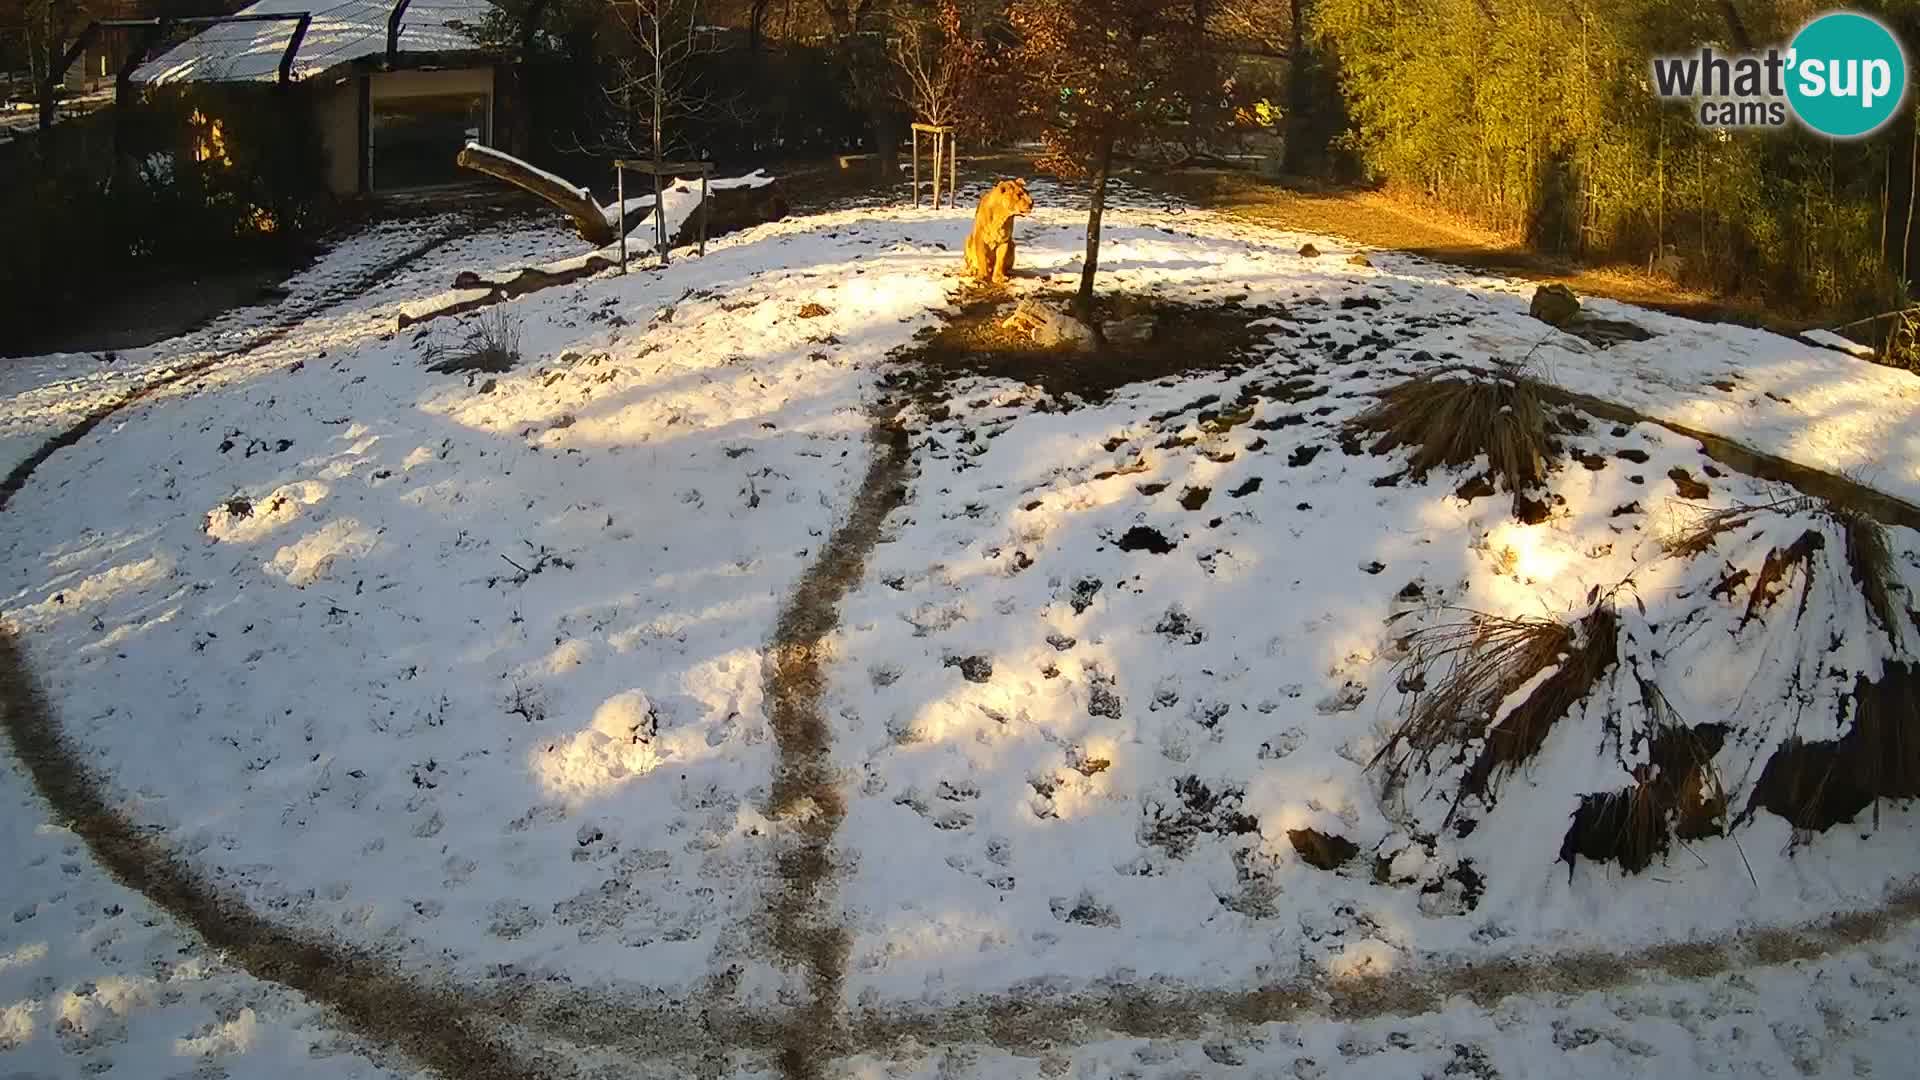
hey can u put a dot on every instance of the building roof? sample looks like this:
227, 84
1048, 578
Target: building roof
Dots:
340, 31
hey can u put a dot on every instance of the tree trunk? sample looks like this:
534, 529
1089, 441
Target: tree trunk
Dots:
1736, 26
1913, 195
1083, 303
574, 202
1294, 152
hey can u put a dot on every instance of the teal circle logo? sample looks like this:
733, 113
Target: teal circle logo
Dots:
1846, 75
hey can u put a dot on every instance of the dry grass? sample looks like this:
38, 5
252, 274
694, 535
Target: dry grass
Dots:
1481, 662
492, 344
1702, 526
1452, 418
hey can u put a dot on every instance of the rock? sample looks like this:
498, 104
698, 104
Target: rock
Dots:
1359, 260
1308, 251
1049, 327
1554, 304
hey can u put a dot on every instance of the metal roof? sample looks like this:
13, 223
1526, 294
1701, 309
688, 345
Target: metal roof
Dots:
339, 32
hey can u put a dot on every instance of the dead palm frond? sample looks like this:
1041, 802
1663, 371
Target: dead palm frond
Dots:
1870, 561
1453, 418
1702, 526
1869, 553
1628, 826
1480, 663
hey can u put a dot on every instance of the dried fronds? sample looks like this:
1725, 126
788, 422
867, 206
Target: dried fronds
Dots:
1868, 552
1816, 784
1483, 661
1703, 526
1870, 561
1452, 418
1628, 826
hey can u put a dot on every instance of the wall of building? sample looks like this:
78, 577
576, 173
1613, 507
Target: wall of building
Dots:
337, 122
400, 84
337, 112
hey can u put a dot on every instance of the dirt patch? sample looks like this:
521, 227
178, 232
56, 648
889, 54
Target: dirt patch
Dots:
1322, 851
1143, 538
1194, 809
1186, 338
805, 798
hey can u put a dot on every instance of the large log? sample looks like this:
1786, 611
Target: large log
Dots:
732, 208
576, 202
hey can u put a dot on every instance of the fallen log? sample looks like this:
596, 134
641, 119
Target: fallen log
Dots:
576, 202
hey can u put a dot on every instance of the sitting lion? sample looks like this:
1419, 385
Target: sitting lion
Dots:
990, 244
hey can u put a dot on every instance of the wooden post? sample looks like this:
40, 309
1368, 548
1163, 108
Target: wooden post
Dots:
953, 171
939, 141
620, 211
916, 166
703, 211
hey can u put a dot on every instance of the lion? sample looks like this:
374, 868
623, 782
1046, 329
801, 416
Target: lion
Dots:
990, 244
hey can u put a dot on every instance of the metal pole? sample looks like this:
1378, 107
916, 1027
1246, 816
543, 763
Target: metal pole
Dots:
620, 211
659, 218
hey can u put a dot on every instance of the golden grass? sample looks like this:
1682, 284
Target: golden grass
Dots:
1453, 418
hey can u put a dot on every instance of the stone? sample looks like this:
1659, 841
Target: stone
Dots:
1554, 304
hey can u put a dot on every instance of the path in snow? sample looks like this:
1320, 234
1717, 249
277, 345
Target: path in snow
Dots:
806, 793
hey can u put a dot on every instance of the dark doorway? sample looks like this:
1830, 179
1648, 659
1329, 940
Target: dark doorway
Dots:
414, 139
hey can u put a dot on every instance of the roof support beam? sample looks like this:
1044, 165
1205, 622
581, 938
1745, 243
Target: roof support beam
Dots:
393, 30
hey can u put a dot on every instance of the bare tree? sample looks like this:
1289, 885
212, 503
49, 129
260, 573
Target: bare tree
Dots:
659, 89
942, 74
47, 28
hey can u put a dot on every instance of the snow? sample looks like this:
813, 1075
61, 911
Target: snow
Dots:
467, 670
345, 31
478, 150
1835, 341
682, 197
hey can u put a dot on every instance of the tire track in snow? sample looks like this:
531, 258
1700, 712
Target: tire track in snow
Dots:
806, 795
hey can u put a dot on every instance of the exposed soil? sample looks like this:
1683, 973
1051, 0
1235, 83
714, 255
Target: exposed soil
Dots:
1186, 338
131, 315
806, 795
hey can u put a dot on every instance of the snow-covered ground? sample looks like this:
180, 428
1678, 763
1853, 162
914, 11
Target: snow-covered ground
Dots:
466, 669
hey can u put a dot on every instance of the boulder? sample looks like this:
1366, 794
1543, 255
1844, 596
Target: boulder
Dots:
1554, 304
1049, 327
